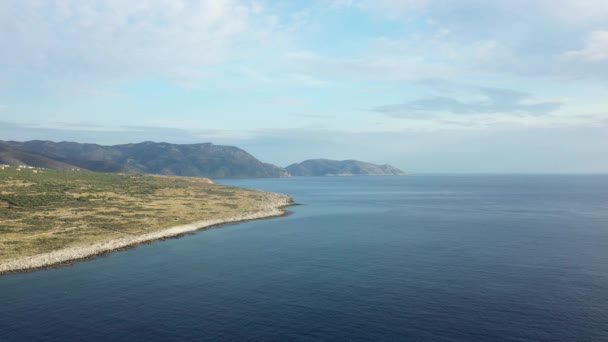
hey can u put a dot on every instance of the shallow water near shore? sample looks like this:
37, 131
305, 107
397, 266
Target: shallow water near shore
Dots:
423, 257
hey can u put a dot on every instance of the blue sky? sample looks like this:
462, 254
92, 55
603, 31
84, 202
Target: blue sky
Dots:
426, 85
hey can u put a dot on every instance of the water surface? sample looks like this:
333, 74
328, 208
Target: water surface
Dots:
429, 258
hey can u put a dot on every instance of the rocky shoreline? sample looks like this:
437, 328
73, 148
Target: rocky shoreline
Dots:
274, 206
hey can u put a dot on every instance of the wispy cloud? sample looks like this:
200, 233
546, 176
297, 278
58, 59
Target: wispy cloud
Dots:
480, 37
286, 101
306, 80
73, 37
492, 100
595, 49
384, 63
580, 12
90, 132
508, 149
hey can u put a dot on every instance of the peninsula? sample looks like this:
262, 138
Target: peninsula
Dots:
328, 167
49, 217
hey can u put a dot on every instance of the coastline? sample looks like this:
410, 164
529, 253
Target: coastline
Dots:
274, 207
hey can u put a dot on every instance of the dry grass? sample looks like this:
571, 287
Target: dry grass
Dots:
42, 212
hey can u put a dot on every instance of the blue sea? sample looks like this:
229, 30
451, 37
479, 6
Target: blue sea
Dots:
416, 258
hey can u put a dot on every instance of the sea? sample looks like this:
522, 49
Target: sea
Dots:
414, 258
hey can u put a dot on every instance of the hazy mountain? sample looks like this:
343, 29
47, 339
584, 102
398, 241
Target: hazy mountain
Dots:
13, 156
207, 160
326, 167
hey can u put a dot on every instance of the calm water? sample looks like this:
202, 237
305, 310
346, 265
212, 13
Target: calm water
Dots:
420, 258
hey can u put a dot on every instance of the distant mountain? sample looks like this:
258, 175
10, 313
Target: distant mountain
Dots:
13, 156
206, 160
326, 167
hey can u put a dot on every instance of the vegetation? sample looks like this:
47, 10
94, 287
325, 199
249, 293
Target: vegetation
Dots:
327, 167
42, 210
206, 160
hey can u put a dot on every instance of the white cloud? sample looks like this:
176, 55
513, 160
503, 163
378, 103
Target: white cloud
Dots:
385, 62
576, 12
501, 37
183, 39
286, 101
172, 38
306, 80
569, 11
340, 3
395, 7
595, 49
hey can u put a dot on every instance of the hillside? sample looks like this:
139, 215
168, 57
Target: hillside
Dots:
326, 167
13, 156
49, 216
208, 160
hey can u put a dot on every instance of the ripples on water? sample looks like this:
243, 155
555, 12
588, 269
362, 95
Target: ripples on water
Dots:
430, 258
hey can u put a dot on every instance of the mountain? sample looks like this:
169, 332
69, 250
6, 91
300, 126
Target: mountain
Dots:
206, 160
326, 167
13, 156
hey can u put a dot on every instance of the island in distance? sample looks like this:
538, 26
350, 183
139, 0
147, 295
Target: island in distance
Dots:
327, 167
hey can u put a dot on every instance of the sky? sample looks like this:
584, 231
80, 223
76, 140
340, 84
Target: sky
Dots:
497, 86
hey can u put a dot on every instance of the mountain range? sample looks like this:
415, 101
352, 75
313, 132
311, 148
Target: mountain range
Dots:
208, 160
